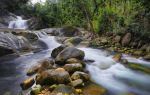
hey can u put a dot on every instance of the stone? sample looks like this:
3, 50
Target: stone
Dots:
93, 89
53, 76
117, 39
117, 57
64, 90
71, 68
36, 90
69, 31
27, 83
80, 75
126, 39
67, 53
73, 60
146, 57
74, 40
77, 83
57, 50
138, 53
33, 70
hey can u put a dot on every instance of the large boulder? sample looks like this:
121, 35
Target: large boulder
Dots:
80, 75
53, 76
67, 53
57, 50
69, 31
126, 39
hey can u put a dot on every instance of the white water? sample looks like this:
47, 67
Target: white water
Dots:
114, 76
19, 23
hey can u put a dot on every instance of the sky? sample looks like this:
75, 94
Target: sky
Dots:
35, 1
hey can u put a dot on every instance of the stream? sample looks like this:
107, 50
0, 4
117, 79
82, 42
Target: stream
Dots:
115, 77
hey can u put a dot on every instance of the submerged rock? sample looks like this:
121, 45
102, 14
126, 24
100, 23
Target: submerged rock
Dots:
93, 89
67, 53
54, 76
62, 89
27, 83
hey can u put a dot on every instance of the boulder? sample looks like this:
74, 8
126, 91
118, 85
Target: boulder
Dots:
54, 76
73, 67
74, 40
27, 83
138, 53
117, 57
62, 89
117, 39
80, 75
67, 53
126, 39
73, 60
33, 70
70, 31
57, 50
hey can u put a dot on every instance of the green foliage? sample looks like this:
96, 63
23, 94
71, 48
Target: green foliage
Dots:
116, 16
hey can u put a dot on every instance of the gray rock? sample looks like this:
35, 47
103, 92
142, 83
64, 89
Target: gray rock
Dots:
67, 53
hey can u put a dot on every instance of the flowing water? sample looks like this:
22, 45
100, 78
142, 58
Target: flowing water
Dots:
115, 77
19, 23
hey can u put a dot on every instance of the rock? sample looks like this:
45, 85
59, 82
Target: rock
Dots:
27, 83
124, 61
36, 90
67, 53
57, 50
117, 39
33, 70
78, 82
73, 67
73, 60
74, 40
104, 40
126, 39
147, 57
93, 89
54, 76
62, 89
148, 48
80, 75
70, 31
138, 53
43, 65
5, 51
84, 44
117, 57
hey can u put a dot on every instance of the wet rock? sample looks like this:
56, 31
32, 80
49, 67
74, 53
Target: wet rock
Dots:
73, 60
93, 89
104, 40
27, 83
62, 89
54, 76
124, 61
42, 65
57, 50
69, 31
78, 82
67, 53
126, 39
5, 51
73, 67
33, 70
74, 40
117, 57
80, 75
36, 90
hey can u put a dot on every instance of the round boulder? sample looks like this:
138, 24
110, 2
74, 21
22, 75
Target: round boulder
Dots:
68, 53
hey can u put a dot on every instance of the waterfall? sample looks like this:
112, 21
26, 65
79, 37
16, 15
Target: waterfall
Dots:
19, 23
